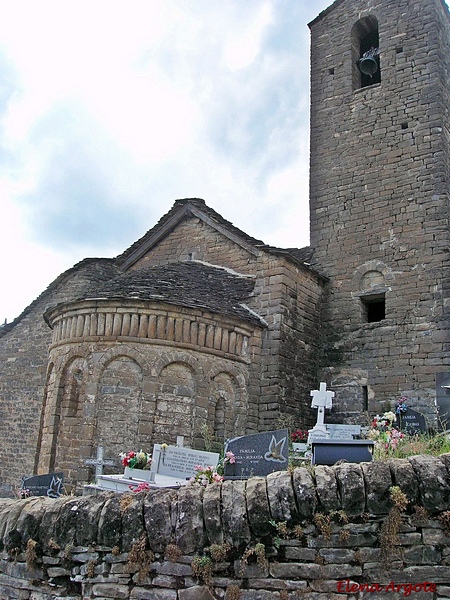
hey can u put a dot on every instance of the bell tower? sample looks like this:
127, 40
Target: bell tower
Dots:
379, 199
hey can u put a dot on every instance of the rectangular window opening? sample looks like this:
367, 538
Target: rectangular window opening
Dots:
365, 394
374, 308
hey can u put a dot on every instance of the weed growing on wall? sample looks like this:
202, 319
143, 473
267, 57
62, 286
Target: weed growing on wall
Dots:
219, 552
232, 592
398, 498
444, 518
31, 554
259, 552
323, 524
140, 558
172, 552
202, 568
420, 514
286, 533
90, 569
389, 534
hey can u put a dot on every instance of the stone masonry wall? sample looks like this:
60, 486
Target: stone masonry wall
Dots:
380, 168
324, 534
151, 373
286, 296
23, 365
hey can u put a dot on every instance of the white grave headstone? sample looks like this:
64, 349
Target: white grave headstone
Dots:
172, 467
343, 432
321, 399
177, 462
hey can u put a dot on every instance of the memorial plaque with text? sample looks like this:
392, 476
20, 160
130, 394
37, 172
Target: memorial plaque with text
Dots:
50, 485
180, 463
258, 454
412, 422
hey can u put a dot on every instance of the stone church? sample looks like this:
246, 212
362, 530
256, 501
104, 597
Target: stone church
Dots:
199, 329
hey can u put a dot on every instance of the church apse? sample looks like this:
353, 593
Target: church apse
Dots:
141, 373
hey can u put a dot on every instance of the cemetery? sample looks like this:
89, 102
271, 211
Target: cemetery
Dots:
266, 518
199, 325
247, 456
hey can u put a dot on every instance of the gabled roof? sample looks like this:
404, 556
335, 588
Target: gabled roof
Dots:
192, 284
195, 207
188, 207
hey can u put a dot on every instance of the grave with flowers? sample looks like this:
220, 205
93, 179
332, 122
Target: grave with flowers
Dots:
167, 467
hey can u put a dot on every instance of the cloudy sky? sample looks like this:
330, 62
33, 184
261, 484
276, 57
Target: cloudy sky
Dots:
109, 111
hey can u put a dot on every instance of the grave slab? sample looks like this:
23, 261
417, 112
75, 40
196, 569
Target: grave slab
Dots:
258, 454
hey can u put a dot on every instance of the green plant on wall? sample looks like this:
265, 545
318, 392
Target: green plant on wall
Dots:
202, 568
259, 552
389, 533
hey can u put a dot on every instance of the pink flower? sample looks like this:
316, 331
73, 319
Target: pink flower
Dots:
142, 487
230, 458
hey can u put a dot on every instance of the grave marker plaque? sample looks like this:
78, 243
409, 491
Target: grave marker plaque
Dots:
49, 485
343, 432
180, 462
258, 454
412, 422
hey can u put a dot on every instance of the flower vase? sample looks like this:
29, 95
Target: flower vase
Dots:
142, 474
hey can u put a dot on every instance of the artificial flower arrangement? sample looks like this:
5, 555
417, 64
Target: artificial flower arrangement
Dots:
299, 436
385, 435
207, 475
136, 460
402, 406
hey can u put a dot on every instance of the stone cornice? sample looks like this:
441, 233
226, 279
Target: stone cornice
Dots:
97, 320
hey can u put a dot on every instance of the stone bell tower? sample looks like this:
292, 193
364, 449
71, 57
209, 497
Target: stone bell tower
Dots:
379, 199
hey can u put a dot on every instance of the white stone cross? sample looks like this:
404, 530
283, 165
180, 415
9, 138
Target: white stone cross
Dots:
100, 462
321, 399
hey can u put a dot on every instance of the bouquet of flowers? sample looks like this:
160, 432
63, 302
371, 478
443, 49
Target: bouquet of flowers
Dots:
384, 422
386, 436
205, 475
299, 436
136, 460
402, 405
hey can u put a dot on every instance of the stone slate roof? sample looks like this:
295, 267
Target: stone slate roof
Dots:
100, 270
190, 284
197, 207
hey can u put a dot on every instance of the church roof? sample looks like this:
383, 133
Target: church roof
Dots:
96, 271
190, 284
196, 207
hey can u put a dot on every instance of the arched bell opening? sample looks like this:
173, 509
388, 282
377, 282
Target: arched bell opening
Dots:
366, 68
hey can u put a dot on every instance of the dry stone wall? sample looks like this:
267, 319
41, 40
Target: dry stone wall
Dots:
328, 533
